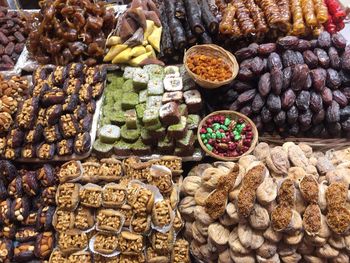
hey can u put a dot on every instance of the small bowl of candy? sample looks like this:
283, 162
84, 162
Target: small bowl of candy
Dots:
227, 135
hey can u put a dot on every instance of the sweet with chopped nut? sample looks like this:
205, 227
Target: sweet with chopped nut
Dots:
113, 195
105, 243
91, 195
162, 213
109, 220
67, 196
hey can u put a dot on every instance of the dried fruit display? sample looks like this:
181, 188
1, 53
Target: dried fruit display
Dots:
153, 109
300, 91
70, 32
124, 203
280, 206
27, 208
56, 117
13, 35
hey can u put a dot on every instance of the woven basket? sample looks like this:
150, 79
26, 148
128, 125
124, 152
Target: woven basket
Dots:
217, 52
233, 116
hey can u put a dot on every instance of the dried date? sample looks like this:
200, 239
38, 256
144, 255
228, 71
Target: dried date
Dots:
257, 65
310, 59
345, 60
274, 61
258, 103
288, 42
266, 115
303, 100
241, 86
318, 117
324, 40
264, 85
280, 119
287, 77
323, 58
266, 49
305, 120
316, 103
292, 115
274, 103
345, 113
288, 99
333, 80
245, 53
319, 77
299, 77
327, 96
276, 80
338, 41
340, 98
246, 110
245, 74
333, 112
335, 130
303, 45
346, 125
246, 96
289, 58
334, 58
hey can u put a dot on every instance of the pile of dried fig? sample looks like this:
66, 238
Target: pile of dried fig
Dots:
286, 204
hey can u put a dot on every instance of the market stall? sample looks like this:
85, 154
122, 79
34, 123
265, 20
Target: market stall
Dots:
175, 131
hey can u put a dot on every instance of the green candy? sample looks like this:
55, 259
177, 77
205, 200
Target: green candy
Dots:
209, 147
218, 135
216, 126
223, 127
227, 121
210, 130
203, 136
213, 136
237, 138
205, 141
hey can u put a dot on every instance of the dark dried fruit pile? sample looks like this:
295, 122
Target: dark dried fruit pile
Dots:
27, 209
295, 87
12, 38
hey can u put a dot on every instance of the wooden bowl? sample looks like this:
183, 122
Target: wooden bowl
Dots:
233, 116
217, 52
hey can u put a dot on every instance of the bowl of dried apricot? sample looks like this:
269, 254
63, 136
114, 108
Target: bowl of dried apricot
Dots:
210, 66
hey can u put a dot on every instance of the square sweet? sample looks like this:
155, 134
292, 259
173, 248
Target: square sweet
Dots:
129, 135
193, 100
154, 102
178, 131
183, 110
140, 79
139, 148
150, 117
128, 86
140, 109
131, 119
154, 71
166, 146
129, 72
147, 138
122, 148
193, 121
169, 113
173, 84
172, 96
155, 87
188, 151
172, 70
158, 133
117, 117
130, 100
186, 141
143, 96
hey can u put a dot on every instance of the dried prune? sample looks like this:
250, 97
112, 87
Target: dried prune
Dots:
305, 119
335, 130
246, 63
324, 40
257, 66
274, 103
258, 103
316, 103
303, 100
338, 41
308, 84
345, 77
322, 56
266, 115
294, 129
246, 96
288, 42
345, 113
319, 77
339, 97
310, 59
346, 92
299, 77
288, 99
264, 85
245, 53
292, 115
287, 77
333, 79
334, 58
346, 125
303, 45
280, 118
276, 80
246, 110
274, 61
265, 65
266, 49
345, 60
333, 112
327, 96
300, 58
241, 86
289, 58
245, 74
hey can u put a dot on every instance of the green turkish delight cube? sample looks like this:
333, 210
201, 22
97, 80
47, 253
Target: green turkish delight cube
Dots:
151, 117
130, 100
128, 86
178, 131
140, 109
186, 141
172, 70
143, 96
147, 138
131, 119
154, 71
139, 148
173, 84
193, 121
166, 146
115, 83
129, 135
155, 86
117, 117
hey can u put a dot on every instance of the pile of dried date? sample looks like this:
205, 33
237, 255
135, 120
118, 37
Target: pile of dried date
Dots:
13, 36
285, 204
27, 207
294, 86
70, 31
